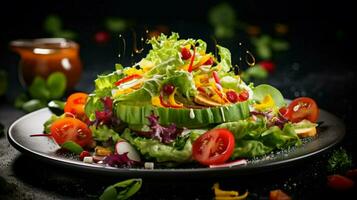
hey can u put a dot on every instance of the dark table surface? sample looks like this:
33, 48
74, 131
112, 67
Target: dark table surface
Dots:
311, 68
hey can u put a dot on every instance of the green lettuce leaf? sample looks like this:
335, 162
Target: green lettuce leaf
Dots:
254, 138
182, 80
225, 58
250, 149
153, 149
103, 133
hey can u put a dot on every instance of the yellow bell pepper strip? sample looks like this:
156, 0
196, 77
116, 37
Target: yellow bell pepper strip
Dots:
267, 102
227, 195
173, 102
125, 91
192, 59
169, 105
128, 78
130, 71
102, 151
156, 101
204, 59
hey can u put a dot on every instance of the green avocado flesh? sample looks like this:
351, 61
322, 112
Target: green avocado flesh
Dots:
137, 114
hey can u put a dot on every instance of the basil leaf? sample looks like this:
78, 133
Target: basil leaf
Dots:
56, 84
20, 100
38, 89
52, 24
122, 190
115, 24
32, 105
72, 147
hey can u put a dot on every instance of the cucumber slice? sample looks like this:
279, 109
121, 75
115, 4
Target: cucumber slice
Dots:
189, 118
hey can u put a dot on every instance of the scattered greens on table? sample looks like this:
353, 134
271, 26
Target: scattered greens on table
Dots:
122, 190
339, 162
42, 91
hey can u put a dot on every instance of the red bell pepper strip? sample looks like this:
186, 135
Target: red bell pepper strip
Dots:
215, 76
192, 59
128, 78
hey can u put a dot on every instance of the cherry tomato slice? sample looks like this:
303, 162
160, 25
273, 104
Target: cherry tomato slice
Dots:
283, 111
213, 147
339, 182
185, 53
243, 95
303, 108
75, 104
71, 129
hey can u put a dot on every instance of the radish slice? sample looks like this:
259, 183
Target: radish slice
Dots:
230, 164
123, 146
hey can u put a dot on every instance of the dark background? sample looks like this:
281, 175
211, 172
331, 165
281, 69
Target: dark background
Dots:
320, 64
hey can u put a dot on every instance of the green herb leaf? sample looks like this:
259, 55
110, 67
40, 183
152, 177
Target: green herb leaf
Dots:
32, 105
52, 24
20, 100
38, 89
72, 147
339, 162
68, 34
115, 24
223, 18
122, 190
56, 84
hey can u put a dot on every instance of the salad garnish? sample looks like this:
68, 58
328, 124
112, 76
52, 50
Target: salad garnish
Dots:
181, 104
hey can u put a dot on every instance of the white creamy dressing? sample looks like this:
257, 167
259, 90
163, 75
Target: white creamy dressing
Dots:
192, 114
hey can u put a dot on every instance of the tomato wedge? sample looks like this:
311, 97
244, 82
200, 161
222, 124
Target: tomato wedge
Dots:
303, 108
71, 129
75, 104
213, 147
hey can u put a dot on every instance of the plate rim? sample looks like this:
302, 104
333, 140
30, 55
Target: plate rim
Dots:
239, 170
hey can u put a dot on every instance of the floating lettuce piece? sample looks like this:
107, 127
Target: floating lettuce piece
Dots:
225, 58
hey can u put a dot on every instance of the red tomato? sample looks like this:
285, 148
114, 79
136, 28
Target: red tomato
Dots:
339, 182
83, 154
268, 65
278, 195
303, 108
75, 104
209, 61
243, 96
71, 129
283, 111
213, 147
185, 53
232, 96
101, 37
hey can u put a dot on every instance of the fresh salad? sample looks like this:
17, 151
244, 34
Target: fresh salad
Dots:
180, 104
